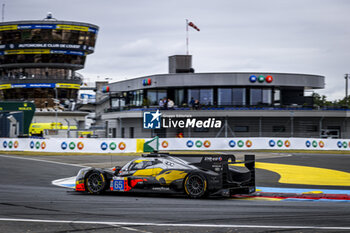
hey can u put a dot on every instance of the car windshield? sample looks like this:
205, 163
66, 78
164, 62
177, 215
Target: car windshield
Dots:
137, 164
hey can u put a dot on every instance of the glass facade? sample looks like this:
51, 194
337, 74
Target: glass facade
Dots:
231, 96
225, 96
154, 96
43, 97
205, 95
222, 96
48, 36
42, 58
260, 96
180, 97
38, 73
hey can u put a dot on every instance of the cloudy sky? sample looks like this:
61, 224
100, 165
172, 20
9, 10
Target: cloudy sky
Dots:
137, 36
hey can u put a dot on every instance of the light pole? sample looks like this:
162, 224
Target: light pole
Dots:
346, 76
56, 100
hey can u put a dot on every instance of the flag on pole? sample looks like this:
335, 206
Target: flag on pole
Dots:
151, 145
193, 25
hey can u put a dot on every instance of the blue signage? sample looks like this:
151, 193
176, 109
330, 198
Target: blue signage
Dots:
48, 26
34, 85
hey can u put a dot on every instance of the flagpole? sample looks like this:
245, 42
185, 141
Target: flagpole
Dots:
187, 37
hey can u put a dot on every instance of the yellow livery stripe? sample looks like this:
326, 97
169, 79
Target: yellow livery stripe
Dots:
171, 175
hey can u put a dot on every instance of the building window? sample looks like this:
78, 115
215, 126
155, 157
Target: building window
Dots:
241, 129
205, 96
311, 128
123, 133
260, 96
238, 95
180, 97
155, 95
225, 96
201, 129
193, 94
131, 132
159, 132
278, 128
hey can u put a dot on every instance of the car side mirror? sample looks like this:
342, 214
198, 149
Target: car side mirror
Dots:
116, 170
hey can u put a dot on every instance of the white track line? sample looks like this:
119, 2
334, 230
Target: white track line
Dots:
172, 224
39, 160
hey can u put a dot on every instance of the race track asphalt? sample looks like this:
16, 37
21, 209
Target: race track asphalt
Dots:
29, 203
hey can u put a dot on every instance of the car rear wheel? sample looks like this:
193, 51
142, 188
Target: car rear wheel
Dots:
95, 182
195, 185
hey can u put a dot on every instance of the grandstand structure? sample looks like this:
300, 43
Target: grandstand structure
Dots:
249, 104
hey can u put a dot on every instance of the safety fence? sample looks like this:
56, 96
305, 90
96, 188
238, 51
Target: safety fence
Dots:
122, 145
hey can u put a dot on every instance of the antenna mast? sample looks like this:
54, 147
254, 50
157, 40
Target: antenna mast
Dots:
3, 12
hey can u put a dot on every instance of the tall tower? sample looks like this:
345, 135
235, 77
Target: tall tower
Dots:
39, 59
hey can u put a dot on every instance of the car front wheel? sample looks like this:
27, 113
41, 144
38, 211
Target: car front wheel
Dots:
95, 182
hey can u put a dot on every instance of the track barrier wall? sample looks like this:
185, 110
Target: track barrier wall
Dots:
123, 145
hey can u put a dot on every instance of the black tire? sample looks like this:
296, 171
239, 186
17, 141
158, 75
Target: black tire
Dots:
195, 185
95, 182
